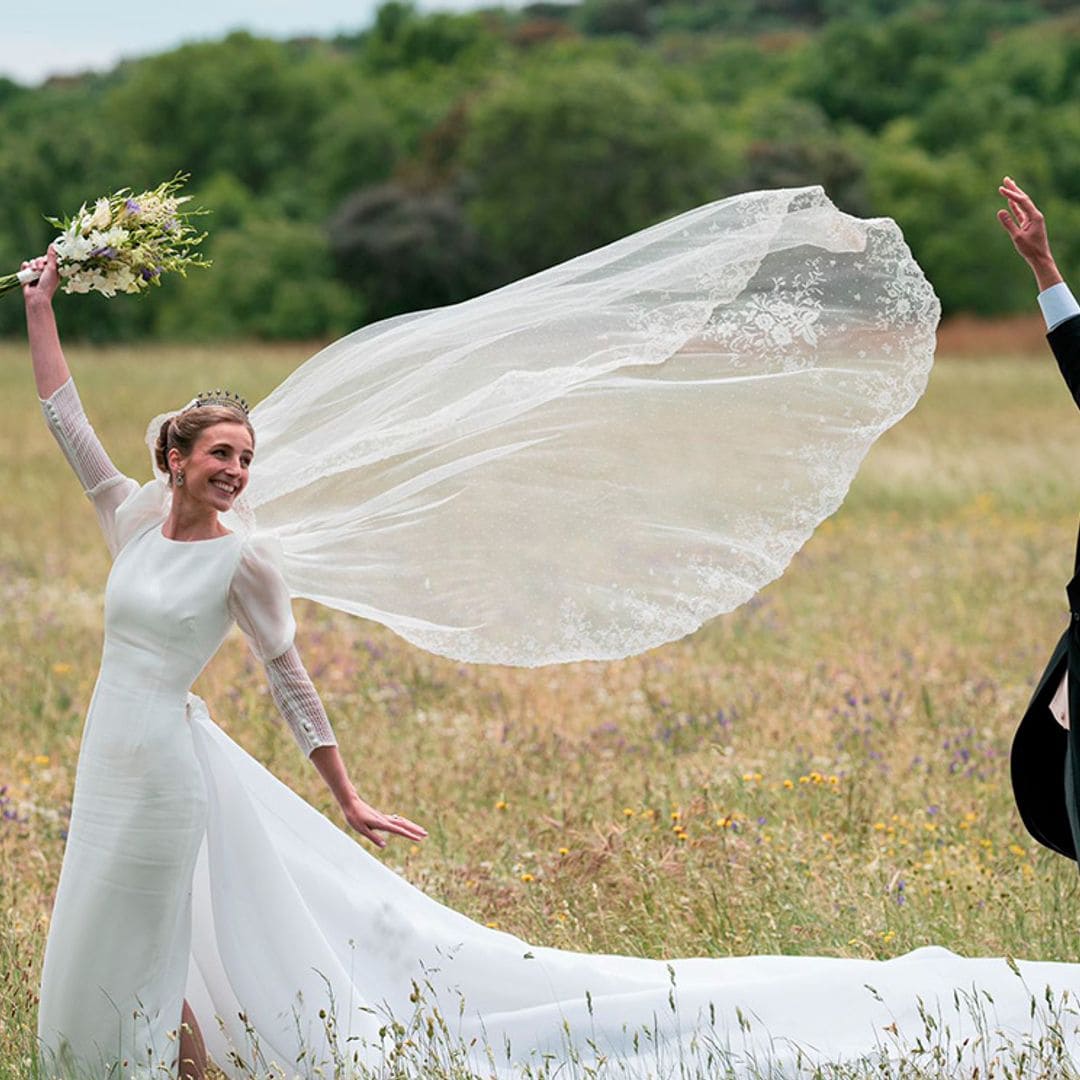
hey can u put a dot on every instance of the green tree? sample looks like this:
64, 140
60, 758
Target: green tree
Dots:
871, 71
402, 37
408, 250
240, 106
269, 280
565, 158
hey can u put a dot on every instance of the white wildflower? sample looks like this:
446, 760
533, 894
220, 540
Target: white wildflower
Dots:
102, 216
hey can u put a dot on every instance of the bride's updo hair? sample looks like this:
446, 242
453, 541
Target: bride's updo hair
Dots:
182, 431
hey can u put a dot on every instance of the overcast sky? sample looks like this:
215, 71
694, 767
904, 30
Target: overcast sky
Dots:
65, 36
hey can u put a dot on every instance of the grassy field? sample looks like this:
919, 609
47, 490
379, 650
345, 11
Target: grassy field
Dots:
825, 771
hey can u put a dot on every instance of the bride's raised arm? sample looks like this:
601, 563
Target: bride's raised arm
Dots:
104, 484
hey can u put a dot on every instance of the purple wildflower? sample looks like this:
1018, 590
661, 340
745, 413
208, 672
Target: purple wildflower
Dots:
132, 207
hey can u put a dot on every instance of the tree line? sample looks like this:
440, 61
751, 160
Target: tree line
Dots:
430, 157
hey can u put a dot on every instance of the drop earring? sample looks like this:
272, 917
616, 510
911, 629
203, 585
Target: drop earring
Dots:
179, 477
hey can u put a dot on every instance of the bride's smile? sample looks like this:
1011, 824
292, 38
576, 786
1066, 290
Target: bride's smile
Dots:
217, 469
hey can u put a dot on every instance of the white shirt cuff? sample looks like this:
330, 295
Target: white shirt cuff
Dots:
1058, 304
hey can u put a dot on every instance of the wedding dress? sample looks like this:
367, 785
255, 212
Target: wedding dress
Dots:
191, 872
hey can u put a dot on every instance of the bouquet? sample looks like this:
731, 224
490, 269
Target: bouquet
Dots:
124, 243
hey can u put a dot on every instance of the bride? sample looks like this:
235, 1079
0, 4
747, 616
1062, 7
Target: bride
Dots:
656, 428
122, 919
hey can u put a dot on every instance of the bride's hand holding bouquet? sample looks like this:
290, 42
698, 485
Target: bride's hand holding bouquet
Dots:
124, 244
41, 288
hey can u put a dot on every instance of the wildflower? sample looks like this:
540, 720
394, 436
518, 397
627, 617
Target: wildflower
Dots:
527, 878
41, 759
60, 668
789, 784
1017, 850
102, 216
501, 804
564, 851
627, 812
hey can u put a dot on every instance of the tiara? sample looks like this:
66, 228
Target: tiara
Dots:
221, 397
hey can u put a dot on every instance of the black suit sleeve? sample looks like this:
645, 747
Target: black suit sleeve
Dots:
1065, 341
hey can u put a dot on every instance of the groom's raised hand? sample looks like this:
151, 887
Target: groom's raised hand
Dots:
1027, 230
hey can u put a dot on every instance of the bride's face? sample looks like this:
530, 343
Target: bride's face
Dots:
216, 470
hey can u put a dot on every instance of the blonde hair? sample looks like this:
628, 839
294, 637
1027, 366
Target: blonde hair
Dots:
182, 430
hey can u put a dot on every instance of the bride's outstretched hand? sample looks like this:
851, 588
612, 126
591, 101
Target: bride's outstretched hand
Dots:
42, 290
368, 822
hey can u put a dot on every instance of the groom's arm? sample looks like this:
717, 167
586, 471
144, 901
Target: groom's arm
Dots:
1027, 230
1062, 315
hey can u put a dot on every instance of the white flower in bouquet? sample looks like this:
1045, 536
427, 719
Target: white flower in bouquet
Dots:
125, 243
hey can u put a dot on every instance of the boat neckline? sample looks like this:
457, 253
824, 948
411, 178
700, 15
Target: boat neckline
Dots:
204, 540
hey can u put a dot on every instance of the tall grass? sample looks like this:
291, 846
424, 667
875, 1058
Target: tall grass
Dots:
823, 772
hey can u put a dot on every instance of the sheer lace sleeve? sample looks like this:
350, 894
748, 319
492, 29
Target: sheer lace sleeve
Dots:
259, 601
104, 484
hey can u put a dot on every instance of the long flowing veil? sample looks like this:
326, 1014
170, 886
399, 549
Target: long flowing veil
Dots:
599, 458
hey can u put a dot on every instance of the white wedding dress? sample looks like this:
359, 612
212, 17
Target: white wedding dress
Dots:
190, 871
659, 425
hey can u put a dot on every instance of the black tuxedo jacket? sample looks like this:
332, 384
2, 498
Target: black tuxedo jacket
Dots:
1045, 760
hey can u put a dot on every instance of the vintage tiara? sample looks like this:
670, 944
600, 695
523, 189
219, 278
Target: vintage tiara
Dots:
220, 397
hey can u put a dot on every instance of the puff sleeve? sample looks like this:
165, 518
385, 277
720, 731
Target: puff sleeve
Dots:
105, 486
259, 601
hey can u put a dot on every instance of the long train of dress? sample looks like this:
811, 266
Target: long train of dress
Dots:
289, 913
